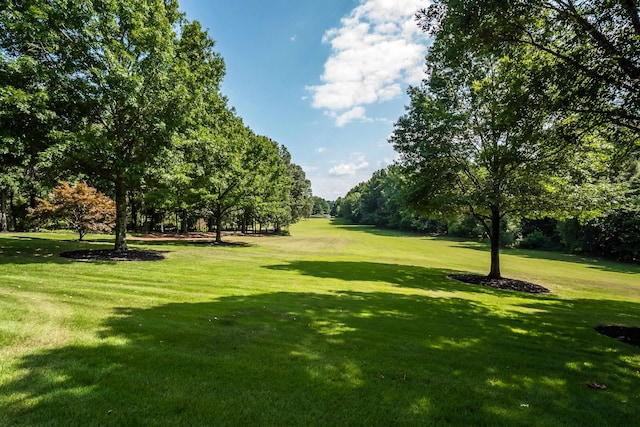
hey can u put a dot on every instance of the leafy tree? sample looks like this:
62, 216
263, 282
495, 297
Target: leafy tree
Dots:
300, 193
125, 70
320, 206
475, 140
84, 208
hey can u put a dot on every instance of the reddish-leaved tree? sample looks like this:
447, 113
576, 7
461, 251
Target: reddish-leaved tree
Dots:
83, 207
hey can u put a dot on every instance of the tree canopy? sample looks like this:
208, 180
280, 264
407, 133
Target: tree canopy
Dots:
126, 94
483, 134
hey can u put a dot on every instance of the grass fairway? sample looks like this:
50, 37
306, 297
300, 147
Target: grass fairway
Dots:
335, 325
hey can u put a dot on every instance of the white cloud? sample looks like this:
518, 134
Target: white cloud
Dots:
349, 168
321, 150
353, 114
376, 51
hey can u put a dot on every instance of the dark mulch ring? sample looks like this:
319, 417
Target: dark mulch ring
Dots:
111, 255
628, 334
506, 284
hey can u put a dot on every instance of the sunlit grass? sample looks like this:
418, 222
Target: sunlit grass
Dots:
334, 325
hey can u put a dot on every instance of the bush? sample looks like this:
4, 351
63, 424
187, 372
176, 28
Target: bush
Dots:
537, 240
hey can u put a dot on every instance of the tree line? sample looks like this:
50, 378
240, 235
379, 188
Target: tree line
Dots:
382, 201
531, 111
125, 95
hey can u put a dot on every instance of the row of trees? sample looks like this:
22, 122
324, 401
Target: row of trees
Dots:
383, 201
531, 110
125, 94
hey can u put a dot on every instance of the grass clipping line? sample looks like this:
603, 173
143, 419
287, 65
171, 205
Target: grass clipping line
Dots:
505, 284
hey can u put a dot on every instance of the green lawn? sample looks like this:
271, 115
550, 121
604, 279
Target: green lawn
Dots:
334, 325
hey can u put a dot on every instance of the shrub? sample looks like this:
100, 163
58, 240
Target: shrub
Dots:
82, 207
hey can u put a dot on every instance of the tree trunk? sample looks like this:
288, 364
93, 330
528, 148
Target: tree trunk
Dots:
184, 223
218, 215
495, 244
4, 227
121, 216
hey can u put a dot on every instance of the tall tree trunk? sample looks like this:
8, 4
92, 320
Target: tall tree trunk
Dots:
218, 215
121, 216
184, 223
4, 227
244, 224
495, 244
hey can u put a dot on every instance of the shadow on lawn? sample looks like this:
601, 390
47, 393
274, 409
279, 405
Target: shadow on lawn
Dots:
29, 249
590, 262
347, 358
484, 246
20, 250
407, 276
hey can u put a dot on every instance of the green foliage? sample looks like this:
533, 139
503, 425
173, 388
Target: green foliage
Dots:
589, 51
480, 136
382, 202
320, 206
127, 93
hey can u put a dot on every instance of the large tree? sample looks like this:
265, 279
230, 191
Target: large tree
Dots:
127, 67
475, 139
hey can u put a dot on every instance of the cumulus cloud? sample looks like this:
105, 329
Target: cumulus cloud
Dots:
353, 114
377, 49
344, 169
321, 150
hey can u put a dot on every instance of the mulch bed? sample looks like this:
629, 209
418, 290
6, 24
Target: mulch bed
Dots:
111, 255
505, 284
628, 334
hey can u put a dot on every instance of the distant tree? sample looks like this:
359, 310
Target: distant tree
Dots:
83, 207
320, 206
300, 193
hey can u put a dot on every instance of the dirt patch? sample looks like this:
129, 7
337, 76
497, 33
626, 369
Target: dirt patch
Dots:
505, 284
111, 255
628, 334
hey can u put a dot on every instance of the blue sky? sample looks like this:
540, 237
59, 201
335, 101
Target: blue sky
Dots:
325, 78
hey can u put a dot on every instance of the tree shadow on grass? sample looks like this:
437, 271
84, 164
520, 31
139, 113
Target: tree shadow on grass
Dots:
484, 246
20, 250
348, 358
406, 276
590, 262
193, 242
30, 250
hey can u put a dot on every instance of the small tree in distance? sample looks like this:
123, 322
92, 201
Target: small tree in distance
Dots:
83, 207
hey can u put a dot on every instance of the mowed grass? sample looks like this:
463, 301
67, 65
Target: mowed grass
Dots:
334, 325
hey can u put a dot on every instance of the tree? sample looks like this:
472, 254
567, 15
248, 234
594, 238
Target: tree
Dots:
84, 208
126, 67
300, 193
475, 139
320, 206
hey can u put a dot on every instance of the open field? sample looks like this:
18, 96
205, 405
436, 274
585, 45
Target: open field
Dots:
334, 325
